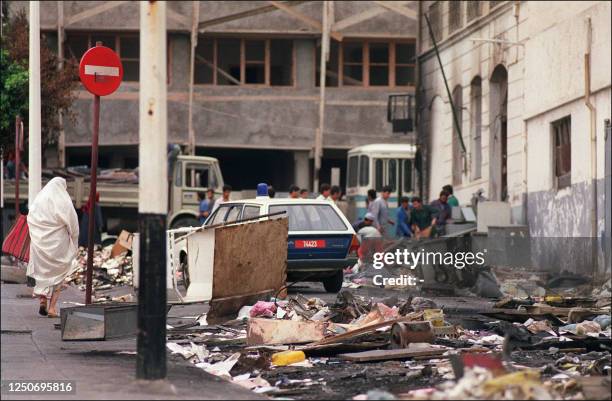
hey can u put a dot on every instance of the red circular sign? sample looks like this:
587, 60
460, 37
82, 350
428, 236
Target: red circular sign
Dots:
100, 70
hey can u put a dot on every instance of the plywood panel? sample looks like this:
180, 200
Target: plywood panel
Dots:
250, 258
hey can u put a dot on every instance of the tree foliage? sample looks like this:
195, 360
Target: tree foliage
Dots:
57, 85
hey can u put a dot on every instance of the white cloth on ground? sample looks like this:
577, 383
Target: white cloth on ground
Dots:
54, 233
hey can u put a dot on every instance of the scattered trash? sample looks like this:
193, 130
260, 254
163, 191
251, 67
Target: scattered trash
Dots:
108, 272
368, 348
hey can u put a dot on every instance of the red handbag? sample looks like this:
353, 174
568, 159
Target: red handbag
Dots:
17, 242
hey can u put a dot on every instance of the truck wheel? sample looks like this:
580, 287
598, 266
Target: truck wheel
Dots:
186, 222
333, 284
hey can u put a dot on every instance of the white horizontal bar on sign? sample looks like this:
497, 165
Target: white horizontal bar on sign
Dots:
101, 70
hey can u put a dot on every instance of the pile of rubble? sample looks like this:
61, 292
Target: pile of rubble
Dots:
549, 347
108, 271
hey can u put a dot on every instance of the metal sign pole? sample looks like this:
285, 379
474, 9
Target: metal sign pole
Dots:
92, 196
92, 199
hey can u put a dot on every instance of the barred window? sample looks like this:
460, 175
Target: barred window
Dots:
369, 63
454, 16
562, 155
234, 61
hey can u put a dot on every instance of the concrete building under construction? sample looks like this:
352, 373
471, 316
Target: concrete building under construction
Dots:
253, 98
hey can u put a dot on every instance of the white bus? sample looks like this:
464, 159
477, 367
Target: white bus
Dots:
373, 167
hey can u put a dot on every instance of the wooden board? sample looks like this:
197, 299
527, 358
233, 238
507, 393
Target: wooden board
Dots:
250, 258
389, 354
274, 332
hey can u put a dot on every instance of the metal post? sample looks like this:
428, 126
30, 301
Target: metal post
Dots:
92, 196
194, 43
152, 190
61, 140
34, 148
18, 147
318, 148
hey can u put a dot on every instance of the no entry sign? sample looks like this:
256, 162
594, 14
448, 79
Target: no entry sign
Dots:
100, 70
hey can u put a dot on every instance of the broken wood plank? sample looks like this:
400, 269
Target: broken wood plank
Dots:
390, 354
368, 329
274, 332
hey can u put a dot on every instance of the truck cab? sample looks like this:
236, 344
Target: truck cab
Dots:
191, 174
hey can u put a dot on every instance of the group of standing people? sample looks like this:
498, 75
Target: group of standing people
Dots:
413, 218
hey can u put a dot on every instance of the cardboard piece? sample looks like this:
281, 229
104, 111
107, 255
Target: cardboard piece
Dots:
123, 243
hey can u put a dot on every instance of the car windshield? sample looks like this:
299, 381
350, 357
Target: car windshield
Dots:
311, 217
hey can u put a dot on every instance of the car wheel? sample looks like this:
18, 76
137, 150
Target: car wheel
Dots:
186, 222
334, 283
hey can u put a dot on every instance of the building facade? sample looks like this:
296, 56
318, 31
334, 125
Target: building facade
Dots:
530, 84
256, 81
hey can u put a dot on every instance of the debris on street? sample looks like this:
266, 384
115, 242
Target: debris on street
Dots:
109, 272
364, 347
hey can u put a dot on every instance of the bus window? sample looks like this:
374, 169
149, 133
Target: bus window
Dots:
408, 175
378, 169
353, 171
392, 176
364, 171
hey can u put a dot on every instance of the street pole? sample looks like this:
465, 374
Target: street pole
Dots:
318, 148
152, 190
34, 140
92, 196
194, 43
61, 140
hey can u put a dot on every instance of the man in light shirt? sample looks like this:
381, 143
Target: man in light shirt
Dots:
324, 192
227, 191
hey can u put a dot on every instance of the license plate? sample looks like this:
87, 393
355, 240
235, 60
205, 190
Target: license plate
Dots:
311, 243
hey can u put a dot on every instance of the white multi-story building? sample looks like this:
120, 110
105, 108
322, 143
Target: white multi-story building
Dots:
530, 82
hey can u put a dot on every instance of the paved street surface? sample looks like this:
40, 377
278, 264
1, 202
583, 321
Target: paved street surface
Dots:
32, 350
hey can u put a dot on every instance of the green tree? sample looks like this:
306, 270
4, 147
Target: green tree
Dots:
14, 95
57, 85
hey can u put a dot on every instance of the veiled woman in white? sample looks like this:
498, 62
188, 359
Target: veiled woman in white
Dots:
54, 234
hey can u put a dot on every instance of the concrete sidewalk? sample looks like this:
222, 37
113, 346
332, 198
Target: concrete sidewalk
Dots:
32, 350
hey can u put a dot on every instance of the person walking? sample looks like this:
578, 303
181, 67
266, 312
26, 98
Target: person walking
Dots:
380, 211
54, 234
98, 223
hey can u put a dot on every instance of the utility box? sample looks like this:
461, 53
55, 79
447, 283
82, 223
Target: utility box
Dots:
99, 322
493, 214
